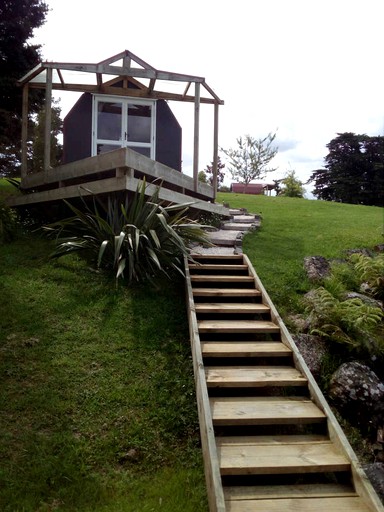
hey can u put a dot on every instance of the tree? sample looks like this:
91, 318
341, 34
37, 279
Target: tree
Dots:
18, 19
202, 177
291, 186
250, 160
37, 162
354, 170
220, 173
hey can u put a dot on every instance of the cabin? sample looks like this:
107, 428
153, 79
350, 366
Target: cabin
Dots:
251, 188
120, 130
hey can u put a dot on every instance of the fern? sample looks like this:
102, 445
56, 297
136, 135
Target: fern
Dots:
351, 321
370, 271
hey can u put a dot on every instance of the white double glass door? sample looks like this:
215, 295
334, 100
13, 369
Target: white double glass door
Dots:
123, 122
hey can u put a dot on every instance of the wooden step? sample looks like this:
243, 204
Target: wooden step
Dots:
237, 326
225, 292
264, 411
244, 349
253, 377
312, 490
231, 307
221, 257
336, 504
214, 266
248, 455
221, 279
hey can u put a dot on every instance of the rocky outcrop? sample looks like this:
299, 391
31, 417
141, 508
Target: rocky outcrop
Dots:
313, 349
359, 395
316, 267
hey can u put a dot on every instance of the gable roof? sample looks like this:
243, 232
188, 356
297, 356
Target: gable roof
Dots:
126, 67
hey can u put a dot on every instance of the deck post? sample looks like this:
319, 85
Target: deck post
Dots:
215, 149
48, 117
196, 137
24, 132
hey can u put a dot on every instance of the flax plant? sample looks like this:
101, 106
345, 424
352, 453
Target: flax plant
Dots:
137, 239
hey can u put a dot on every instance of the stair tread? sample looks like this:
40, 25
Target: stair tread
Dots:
222, 257
264, 411
237, 326
256, 376
333, 504
244, 349
280, 458
221, 278
261, 492
217, 266
226, 292
231, 307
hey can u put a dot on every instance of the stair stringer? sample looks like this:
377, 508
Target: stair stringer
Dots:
215, 492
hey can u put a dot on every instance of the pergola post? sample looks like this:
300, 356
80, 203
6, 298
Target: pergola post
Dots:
24, 132
196, 137
215, 148
48, 118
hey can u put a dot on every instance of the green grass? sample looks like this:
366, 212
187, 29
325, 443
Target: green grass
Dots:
6, 189
294, 228
98, 409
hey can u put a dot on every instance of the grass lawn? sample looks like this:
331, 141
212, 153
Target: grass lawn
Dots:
97, 394
294, 228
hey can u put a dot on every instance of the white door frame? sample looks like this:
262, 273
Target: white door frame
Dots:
123, 142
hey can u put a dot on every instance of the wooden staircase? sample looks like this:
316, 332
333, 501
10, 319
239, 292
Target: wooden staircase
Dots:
270, 441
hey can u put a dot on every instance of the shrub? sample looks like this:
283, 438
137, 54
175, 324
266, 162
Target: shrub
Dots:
136, 240
8, 223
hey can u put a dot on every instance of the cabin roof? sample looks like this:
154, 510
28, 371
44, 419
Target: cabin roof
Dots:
124, 67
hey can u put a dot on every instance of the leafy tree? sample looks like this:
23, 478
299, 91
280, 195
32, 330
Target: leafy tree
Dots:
220, 173
354, 170
18, 19
202, 177
37, 163
251, 158
291, 186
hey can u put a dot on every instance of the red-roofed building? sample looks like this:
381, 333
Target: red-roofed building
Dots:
251, 188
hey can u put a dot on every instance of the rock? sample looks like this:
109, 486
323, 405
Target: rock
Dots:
364, 252
375, 473
316, 267
299, 323
313, 349
359, 395
379, 248
369, 301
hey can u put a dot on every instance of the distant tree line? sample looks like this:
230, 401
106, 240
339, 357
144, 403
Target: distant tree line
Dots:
353, 171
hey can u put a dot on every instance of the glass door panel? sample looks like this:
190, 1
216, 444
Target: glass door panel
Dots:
109, 120
139, 123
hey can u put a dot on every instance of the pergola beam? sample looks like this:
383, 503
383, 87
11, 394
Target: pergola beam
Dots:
196, 136
48, 118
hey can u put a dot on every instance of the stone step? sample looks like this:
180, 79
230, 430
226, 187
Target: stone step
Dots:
245, 218
233, 226
225, 237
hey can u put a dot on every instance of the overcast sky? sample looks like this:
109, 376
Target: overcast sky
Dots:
307, 68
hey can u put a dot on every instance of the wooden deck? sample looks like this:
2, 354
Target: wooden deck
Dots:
115, 171
270, 441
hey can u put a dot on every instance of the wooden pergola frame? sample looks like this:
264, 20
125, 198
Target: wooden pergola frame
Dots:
51, 76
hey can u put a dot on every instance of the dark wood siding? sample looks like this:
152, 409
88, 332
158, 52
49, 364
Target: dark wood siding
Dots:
77, 130
168, 137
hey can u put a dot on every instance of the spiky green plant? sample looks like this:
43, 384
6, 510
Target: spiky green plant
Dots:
349, 321
136, 240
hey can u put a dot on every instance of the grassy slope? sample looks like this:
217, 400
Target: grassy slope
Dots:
294, 228
97, 404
